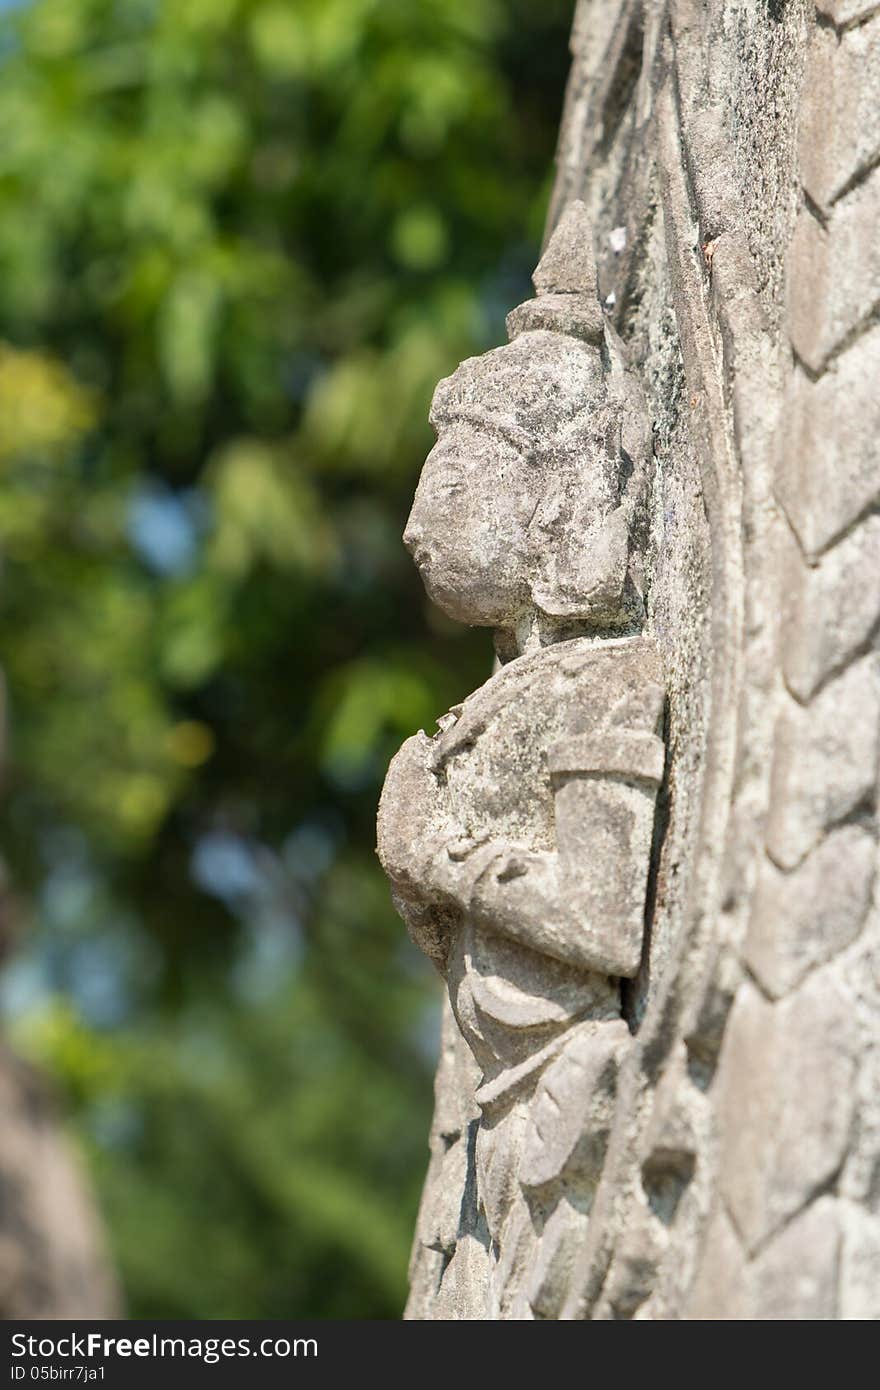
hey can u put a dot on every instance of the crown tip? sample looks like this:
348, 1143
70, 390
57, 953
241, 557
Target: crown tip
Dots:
568, 265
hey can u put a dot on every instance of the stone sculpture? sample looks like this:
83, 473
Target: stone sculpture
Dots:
518, 838
728, 157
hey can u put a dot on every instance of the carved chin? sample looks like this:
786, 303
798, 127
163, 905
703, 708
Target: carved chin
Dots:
465, 595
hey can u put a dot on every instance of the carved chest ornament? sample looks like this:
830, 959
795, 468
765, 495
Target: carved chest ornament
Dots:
518, 838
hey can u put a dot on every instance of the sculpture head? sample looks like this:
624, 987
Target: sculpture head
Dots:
531, 496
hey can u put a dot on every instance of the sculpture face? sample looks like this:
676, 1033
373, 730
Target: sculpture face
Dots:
528, 456
468, 528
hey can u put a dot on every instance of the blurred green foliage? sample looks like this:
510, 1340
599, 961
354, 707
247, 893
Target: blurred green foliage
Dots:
240, 241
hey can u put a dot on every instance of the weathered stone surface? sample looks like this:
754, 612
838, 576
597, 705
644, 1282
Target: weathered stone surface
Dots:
833, 272
721, 1288
733, 189
529, 518
713, 996
860, 1264
860, 973
831, 610
846, 11
840, 122
802, 919
632, 1275
548, 1282
824, 761
565, 281
671, 1141
828, 472
573, 1108
786, 1103
568, 266
462, 1293
796, 1276
576, 316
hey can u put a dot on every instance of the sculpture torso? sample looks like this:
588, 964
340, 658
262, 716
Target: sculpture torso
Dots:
486, 776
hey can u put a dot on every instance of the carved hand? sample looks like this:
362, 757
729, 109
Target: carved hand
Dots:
529, 896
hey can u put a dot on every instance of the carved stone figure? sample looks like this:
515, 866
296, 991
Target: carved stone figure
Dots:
518, 838
729, 157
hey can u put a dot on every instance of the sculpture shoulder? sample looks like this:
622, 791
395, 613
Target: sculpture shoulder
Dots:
573, 706
571, 687
408, 807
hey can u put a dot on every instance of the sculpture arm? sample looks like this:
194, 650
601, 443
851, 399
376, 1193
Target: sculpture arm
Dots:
584, 902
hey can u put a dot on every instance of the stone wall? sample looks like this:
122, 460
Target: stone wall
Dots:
727, 155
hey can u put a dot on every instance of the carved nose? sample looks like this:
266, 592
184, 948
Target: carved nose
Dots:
412, 536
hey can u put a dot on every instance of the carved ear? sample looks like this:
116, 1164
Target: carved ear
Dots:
583, 530
585, 573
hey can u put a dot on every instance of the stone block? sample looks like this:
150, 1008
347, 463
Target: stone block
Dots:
829, 610
786, 1102
859, 1265
802, 919
796, 1276
839, 131
824, 761
832, 273
721, 1289
829, 463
